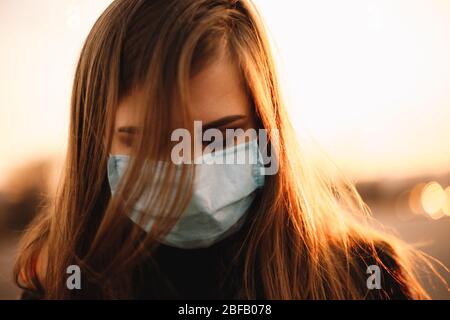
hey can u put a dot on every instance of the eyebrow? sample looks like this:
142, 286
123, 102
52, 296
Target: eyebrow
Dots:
223, 121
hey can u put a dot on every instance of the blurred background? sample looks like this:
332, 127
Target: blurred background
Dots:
367, 83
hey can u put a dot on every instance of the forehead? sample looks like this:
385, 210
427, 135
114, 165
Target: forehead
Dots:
216, 91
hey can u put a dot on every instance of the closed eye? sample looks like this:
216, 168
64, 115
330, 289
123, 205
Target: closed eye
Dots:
127, 134
223, 138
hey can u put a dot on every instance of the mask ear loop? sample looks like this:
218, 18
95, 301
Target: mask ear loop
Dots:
258, 167
262, 150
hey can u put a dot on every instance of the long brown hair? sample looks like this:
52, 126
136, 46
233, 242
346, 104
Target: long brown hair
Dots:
309, 231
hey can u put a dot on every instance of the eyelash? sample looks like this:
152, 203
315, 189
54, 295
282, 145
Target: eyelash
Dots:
223, 130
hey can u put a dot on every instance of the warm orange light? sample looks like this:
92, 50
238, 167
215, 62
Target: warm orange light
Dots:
415, 198
446, 207
372, 102
433, 200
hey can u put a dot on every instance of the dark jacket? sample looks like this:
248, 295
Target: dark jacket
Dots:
211, 273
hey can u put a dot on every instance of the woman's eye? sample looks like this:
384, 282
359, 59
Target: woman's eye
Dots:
222, 139
127, 135
214, 140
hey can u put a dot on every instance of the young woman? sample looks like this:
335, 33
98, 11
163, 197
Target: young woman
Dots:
139, 225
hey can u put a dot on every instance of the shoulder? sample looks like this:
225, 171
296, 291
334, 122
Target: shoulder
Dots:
27, 294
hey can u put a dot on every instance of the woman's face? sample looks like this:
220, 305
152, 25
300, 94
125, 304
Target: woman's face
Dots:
218, 100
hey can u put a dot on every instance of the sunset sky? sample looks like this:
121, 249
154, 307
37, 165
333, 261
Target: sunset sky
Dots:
369, 81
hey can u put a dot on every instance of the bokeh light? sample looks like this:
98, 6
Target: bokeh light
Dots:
446, 208
433, 200
415, 203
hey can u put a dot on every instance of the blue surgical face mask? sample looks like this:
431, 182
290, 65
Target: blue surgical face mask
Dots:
222, 194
